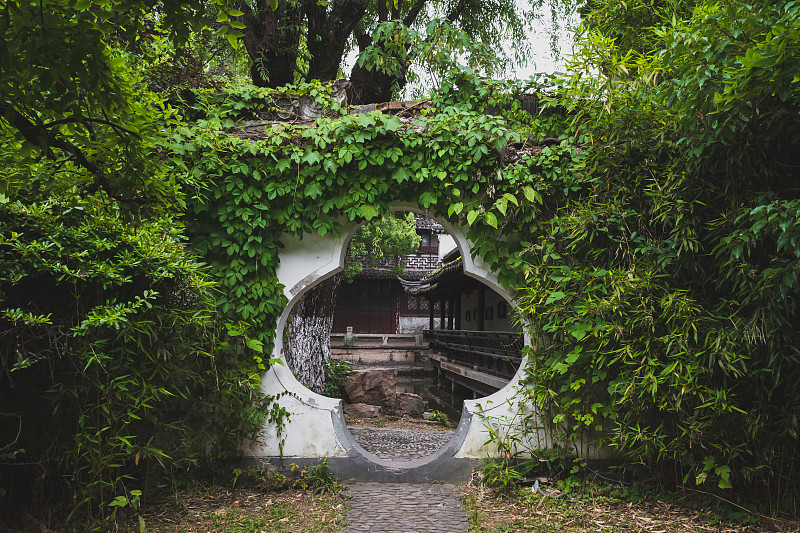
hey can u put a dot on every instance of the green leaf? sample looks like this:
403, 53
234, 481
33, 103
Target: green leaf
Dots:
491, 220
402, 174
502, 205
427, 199
455, 208
311, 157
365, 121
119, 501
255, 345
574, 355
554, 297
531, 195
392, 123
579, 329
368, 212
313, 189
471, 216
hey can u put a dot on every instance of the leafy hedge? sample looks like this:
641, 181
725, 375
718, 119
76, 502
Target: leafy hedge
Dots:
665, 285
114, 380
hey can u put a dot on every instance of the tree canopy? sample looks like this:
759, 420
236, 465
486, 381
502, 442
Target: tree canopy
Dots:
307, 40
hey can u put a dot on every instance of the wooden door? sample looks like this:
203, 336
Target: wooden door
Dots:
367, 305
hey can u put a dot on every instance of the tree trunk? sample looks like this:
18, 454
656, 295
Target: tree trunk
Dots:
272, 40
307, 346
328, 34
370, 87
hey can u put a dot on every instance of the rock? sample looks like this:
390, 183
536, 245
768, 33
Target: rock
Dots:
373, 387
362, 410
409, 404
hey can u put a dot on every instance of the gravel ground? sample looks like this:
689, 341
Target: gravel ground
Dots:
400, 445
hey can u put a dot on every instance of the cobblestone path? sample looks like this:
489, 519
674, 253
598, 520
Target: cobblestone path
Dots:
400, 444
405, 508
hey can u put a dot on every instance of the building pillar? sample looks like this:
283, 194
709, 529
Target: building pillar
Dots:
451, 323
442, 322
481, 308
458, 310
430, 306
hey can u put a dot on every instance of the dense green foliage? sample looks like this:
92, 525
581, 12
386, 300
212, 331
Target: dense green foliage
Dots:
300, 40
653, 245
116, 374
108, 330
663, 283
352, 167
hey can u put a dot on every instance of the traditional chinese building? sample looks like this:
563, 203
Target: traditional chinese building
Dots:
375, 301
475, 344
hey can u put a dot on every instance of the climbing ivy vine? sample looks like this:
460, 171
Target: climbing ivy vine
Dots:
298, 179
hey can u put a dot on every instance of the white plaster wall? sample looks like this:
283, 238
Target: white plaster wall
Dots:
446, 243
311, 430
500, 412
316, 421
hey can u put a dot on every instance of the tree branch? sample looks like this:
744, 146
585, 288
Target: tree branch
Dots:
39, 135
411, 17
455, 13
81, 120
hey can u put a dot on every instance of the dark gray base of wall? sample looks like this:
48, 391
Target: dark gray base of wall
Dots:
443, 470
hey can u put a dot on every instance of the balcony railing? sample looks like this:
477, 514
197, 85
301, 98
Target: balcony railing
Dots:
495, 352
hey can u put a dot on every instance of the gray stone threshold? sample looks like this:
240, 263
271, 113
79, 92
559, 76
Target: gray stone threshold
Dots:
443, 470
361, 465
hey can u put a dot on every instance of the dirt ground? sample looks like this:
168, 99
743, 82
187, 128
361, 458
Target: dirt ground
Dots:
243, 511
599, 509
595, 510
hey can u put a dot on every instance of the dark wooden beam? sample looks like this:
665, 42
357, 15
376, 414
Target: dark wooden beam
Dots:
481, 308
458, 310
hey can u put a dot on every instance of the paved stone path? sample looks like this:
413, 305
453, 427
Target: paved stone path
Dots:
405, 508
400, 445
